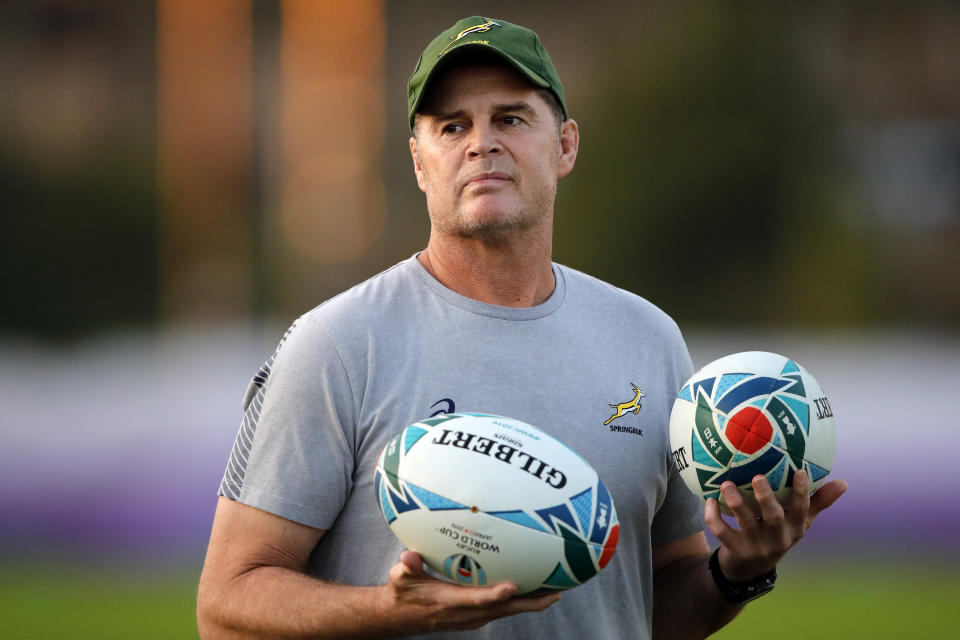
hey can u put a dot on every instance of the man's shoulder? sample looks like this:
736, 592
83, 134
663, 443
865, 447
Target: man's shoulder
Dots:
367, 299
347, 320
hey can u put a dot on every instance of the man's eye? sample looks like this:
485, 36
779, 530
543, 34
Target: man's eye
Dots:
511, 120
452, 128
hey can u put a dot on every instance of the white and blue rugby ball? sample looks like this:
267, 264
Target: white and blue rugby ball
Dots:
749, 414
487, 499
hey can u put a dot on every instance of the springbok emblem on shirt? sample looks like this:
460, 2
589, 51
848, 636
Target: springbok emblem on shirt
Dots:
624, 407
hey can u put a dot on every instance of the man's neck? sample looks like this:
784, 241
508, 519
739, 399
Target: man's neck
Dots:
511, 274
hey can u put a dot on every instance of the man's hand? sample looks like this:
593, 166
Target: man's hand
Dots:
255, 585
428, 604
768, 530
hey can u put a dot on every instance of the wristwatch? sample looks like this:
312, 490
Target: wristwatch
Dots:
740, 592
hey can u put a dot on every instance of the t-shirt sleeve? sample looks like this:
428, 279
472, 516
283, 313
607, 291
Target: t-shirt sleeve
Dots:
293, 455
681, 513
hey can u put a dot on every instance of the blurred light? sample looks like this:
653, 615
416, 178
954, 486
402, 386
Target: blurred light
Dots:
204, 116
333, 207
332, 203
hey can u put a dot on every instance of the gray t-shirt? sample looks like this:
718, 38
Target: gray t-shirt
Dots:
353, 372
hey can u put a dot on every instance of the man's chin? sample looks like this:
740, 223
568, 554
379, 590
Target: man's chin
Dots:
494, 226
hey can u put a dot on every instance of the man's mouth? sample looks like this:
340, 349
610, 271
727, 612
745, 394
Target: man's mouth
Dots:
488, 178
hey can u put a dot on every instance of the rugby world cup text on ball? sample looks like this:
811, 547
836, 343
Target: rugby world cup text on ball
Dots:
466, 541
504, 453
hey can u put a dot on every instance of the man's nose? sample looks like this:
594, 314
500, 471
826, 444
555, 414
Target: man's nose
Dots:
483, 141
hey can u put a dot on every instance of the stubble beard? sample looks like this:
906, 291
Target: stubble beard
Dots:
497, 228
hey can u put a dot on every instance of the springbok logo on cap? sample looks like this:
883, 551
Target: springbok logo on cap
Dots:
480, 28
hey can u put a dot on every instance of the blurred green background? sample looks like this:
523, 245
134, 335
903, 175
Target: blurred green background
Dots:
180, 180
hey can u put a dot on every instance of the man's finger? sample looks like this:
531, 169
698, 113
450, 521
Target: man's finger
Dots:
522, 604
745, 516
770, 509
409, 571
526, 604
826, 496
474, 618
410, 567
412, 560
718, 526
797, 503
485, 596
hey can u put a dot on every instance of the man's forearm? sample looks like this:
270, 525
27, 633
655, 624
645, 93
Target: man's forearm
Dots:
686, 602
276, 602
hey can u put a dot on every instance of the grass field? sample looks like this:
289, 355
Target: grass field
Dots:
41, 603
830, 601
854, 600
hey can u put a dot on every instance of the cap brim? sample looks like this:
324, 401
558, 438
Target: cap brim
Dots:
459, 52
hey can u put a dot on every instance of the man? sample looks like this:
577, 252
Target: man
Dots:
481, 320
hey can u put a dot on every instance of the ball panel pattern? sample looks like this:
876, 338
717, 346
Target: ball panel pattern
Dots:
751, 414
437, 487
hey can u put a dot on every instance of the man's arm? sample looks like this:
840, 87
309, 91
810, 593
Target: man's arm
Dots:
253, 585
686, 601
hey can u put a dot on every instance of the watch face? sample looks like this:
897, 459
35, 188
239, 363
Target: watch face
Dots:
752, 592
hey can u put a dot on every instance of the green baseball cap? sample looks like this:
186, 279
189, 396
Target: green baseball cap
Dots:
518, 46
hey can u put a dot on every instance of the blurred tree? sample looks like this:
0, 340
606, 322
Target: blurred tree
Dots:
78, 248
706, 181
77, 169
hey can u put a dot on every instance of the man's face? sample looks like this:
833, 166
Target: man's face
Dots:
487, 153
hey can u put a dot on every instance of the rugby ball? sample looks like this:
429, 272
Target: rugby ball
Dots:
487, 499
749, 414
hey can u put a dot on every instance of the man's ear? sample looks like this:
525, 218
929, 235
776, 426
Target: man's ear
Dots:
569, 145
417, 167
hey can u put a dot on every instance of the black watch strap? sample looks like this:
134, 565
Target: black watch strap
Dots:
740, 592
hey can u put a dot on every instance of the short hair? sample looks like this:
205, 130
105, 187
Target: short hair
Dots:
554, 103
